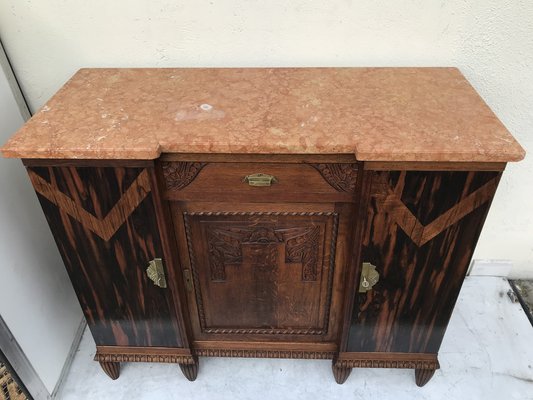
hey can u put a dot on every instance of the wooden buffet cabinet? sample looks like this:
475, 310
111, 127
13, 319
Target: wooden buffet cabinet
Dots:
300, 213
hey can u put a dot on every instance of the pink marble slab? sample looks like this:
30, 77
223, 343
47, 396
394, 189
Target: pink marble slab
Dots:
380, 114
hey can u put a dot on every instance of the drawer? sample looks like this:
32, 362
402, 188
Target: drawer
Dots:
261, 182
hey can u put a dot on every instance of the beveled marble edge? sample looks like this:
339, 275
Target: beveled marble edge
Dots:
154, 153
82, 154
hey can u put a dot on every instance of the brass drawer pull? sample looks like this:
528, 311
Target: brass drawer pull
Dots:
260, 179
156, 273
369, 277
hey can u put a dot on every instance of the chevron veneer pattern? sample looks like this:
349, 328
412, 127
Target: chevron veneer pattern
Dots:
389, 201
103, 227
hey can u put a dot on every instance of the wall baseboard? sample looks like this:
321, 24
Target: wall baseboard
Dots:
70, 357
490, 268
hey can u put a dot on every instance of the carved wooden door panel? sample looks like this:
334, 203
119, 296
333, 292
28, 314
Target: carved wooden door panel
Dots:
263, 274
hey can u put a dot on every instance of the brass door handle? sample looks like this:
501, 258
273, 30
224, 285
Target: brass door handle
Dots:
156, 273
369, 277
260, 179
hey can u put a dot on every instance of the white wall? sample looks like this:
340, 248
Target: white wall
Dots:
497, 57
491, 41
36, 298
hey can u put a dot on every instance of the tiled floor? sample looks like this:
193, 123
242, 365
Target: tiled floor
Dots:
524, 292
9, 389
487, 354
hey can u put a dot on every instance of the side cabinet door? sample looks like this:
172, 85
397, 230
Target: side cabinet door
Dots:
104, 223
421, 230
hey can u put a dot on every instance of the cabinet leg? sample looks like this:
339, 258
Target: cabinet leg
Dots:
340, 373
190, 370
112, 369
422, 376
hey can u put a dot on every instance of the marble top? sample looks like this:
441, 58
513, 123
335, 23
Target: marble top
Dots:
380, 114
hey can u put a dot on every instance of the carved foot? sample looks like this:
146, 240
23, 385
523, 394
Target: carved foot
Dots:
190, 370
422, 376
112, 369
340, 373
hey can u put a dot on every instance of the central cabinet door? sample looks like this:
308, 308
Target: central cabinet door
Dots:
258, 264
262, 272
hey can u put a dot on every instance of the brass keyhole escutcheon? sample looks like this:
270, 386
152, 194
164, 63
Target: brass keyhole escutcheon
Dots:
156, 273
369, 277
188, 280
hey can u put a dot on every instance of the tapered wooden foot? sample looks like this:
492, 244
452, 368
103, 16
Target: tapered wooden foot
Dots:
112, 369
190, 370
422, 376
340, 373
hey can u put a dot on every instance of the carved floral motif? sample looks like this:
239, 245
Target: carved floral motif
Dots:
225, 246
180, 174
342, 177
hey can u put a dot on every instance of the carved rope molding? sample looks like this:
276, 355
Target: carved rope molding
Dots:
390, 202
342, 177
178, 174
272, 331
106, 227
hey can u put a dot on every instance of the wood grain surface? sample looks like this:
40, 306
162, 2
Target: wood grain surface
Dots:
265, 262
263, 272
225, 181
421, 230
104, 224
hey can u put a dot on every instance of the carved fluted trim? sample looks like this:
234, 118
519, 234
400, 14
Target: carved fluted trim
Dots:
340, 374
422, 376
190, 371
141, 357
112, 369
390, 363
249, 353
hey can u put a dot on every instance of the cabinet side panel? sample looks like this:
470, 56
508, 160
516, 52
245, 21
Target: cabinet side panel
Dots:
103, 221
421, 230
